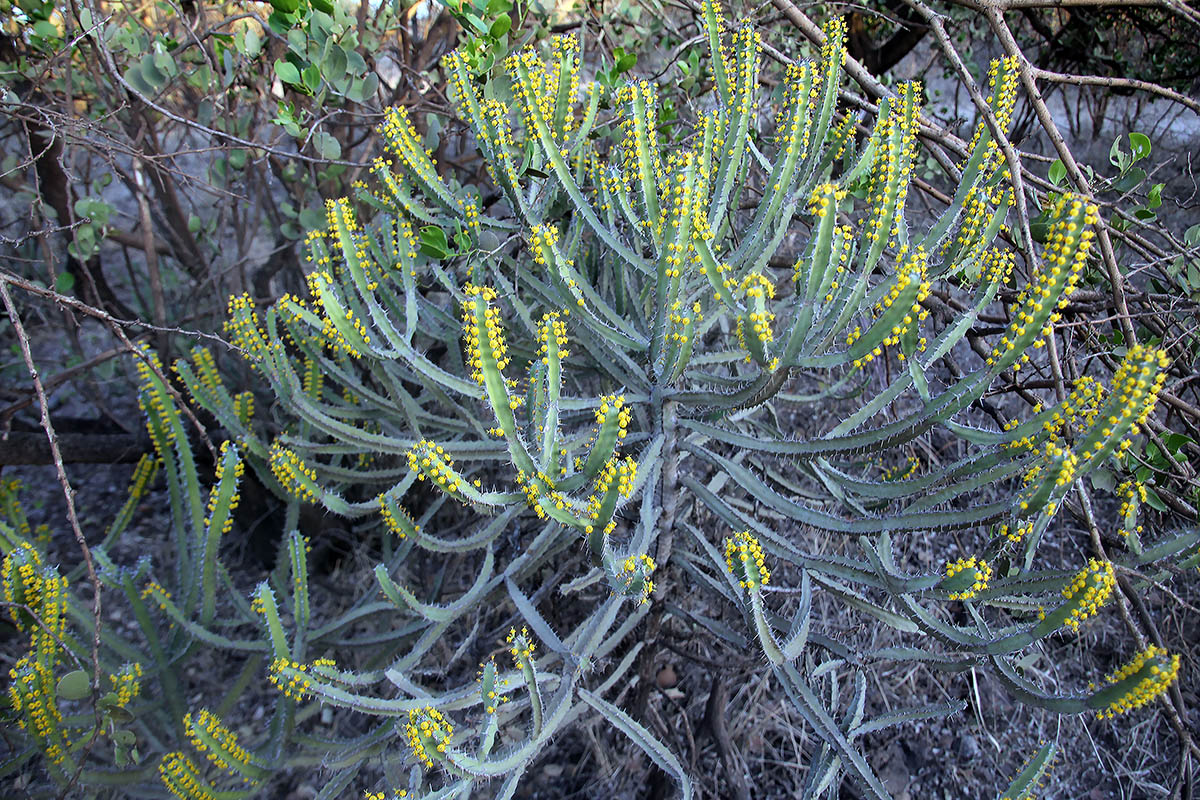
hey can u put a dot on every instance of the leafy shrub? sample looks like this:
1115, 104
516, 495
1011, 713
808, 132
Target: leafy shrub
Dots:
610, 353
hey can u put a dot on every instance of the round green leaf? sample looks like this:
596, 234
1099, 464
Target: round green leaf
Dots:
327, 146
287, 71
500, 26
74, 685
1057, 172
1139, 144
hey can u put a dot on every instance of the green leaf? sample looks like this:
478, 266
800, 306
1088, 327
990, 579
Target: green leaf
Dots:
151, 74
476, 22
1129, 180
312, 77
1154, 501
500, 26
1115, 153
165, 64
335, 64
1154, 198
433, 242
327, 146
64, 283
1139, 144
286, 71
286, 6
313, 218
75, 685
362, 91
1057, 172
1191, 237
45, 29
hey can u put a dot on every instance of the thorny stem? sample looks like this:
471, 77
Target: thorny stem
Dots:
668, 508
1025, 70
994, 126
69, 495
1128, 596
670, 486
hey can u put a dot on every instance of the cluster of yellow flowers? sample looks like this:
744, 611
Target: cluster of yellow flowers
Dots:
623, 473
802, 89
1149, 674
214, 495
912, 272
1135, 386
431, 462
297, 478
156, 590
154, 402
1132, 494
758, 289
491, 686
682, 323
552, 333
321, 284
638, 156
127, 682
538, 488
494, 120
520, 647
403, 140
892, 168
428, 734
243, 328
745, 560
243, 406
1067, 247
614, 403
226, 752
294, 679
206, 368
843, 245
902, 472
484, 347
10, 504
975, 572
395, 518
183, 778
31, 693
634, 576
685, 197
1089, 590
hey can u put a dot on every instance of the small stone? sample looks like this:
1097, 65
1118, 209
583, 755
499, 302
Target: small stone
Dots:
967, 747
667, 677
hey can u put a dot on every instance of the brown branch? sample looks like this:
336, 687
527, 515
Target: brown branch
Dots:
72, 517
1117, 83
1107, 254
